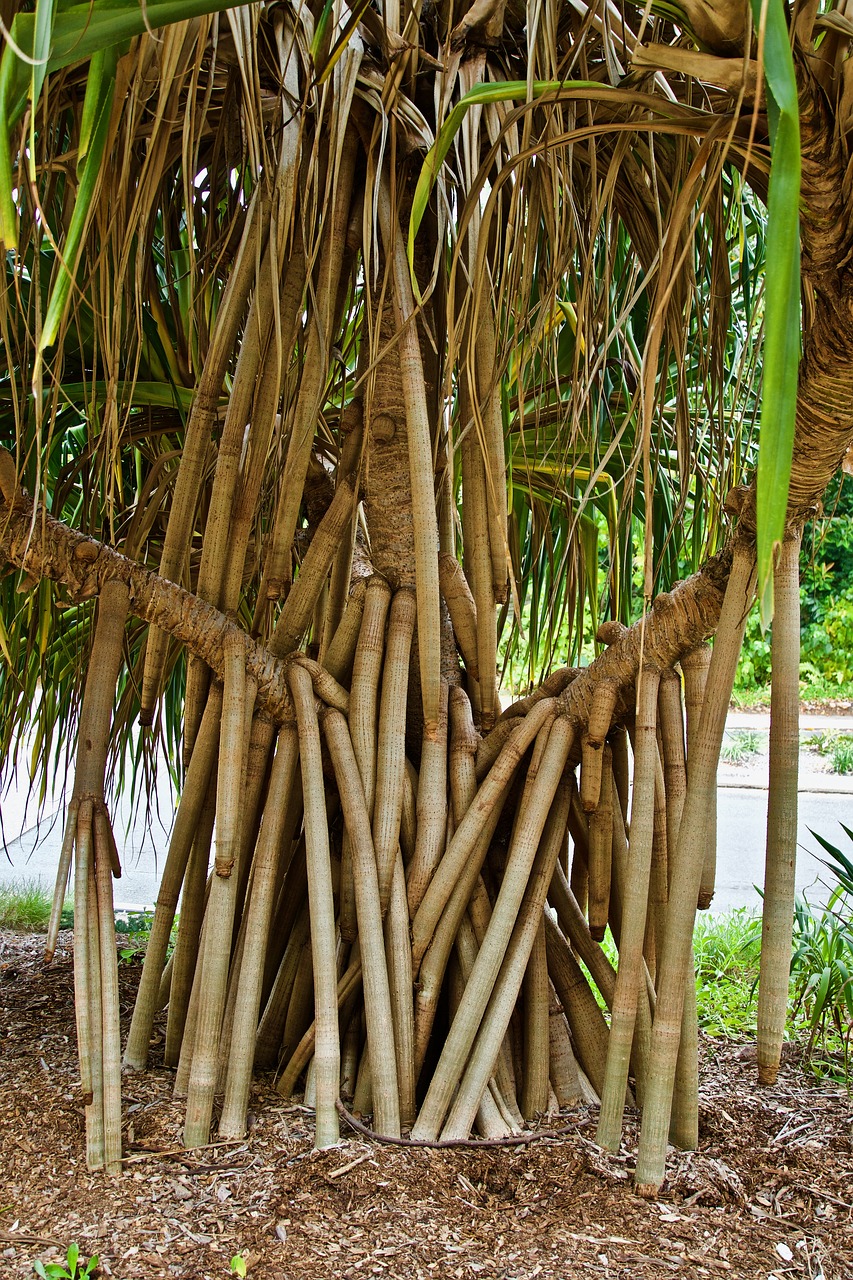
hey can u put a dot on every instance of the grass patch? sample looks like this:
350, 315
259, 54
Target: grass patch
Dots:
740, 745
727, 949
842, 754
25, 904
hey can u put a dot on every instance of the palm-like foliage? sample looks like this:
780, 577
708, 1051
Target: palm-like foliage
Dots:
581, 212
296, 295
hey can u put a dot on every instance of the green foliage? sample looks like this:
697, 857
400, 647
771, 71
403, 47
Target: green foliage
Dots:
822, 965
826, 669
74, 1268
136, 927
827, 643
727, 949
827, 563
753, 673
740, 745
821, 969
24, 904
826, 604
838, 747
238, 1265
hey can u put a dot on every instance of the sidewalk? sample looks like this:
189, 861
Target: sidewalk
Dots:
810, 721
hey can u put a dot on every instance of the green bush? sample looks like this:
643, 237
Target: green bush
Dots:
826, 605
827, 642
753, 672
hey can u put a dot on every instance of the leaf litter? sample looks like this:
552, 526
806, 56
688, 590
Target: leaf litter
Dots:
768, 1194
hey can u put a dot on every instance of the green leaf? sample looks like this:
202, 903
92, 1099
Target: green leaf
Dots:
8, 216
820, 995
782, 298
501, 91
72, 1256
342, 41
97, 106
102, 65
80, 30
42, 35
320, 32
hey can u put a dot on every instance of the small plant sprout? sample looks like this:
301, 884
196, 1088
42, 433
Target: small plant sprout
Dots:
238, 1265
73, 1268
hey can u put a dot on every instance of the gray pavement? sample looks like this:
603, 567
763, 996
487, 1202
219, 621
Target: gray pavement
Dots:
825, 801
30, 849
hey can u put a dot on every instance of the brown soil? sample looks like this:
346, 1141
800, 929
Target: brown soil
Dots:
769, 1193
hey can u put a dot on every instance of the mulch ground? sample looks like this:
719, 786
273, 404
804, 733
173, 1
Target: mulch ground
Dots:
769, 1193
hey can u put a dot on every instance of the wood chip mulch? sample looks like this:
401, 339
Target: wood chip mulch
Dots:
769, 1194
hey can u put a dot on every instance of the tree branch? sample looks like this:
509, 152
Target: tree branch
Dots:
43, 547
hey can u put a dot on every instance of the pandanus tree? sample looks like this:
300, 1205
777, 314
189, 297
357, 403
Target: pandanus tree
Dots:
339, 341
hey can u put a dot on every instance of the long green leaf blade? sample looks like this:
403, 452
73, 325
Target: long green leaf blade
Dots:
481, 94
42, 35
8, 217
782, 294
97, 105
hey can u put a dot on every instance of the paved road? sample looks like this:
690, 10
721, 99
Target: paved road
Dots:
30, 850
741, 825
825, 801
